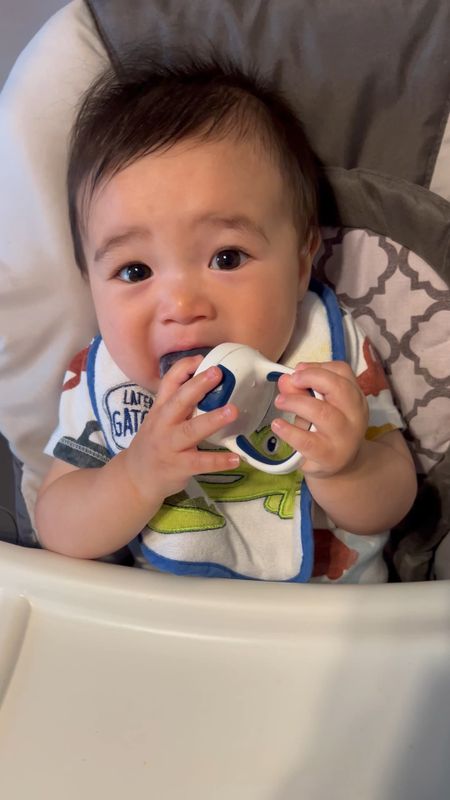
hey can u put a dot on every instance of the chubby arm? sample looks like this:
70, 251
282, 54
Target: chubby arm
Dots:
364, 486
88, 513
374, 492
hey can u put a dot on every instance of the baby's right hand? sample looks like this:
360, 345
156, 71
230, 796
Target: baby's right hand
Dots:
163, 455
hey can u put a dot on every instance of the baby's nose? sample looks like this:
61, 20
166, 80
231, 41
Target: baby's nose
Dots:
185, 303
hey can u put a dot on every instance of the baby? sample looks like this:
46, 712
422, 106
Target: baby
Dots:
192, 199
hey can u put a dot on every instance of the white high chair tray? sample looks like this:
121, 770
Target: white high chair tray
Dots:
116, 682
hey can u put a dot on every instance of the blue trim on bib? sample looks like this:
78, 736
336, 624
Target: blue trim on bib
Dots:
334, 314
306, 536
90, 372
200, 569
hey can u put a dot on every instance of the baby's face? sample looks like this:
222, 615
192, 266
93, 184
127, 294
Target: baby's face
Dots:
191, 248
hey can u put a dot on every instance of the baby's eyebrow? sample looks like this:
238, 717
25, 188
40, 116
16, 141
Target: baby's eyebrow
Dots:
111, 242
234, 222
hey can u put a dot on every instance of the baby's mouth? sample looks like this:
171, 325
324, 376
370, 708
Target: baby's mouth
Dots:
166, 361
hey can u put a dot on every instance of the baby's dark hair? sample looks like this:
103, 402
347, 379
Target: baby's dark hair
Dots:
149, 107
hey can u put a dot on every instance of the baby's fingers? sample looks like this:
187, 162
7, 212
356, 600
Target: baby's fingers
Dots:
333, 380
309, 410
203, 462
190, 432
343, 401
178, 374
179, 392
312, 446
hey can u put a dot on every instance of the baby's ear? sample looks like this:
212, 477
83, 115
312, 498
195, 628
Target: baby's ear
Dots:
312, 243
307, 253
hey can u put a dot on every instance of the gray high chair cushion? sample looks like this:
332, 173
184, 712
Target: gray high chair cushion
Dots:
373, 96
368, 84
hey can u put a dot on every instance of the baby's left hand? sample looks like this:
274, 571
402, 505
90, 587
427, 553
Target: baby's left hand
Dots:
340, 419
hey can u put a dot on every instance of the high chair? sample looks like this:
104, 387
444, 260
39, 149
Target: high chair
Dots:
119, 682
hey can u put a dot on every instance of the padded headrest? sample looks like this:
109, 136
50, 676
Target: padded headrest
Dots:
368, 83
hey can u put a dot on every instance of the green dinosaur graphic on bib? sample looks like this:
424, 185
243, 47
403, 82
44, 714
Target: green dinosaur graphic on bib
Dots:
181, 513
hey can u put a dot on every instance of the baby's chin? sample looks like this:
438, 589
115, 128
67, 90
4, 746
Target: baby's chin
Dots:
150, 382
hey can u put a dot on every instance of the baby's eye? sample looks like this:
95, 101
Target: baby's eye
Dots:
134, 273
228, 259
